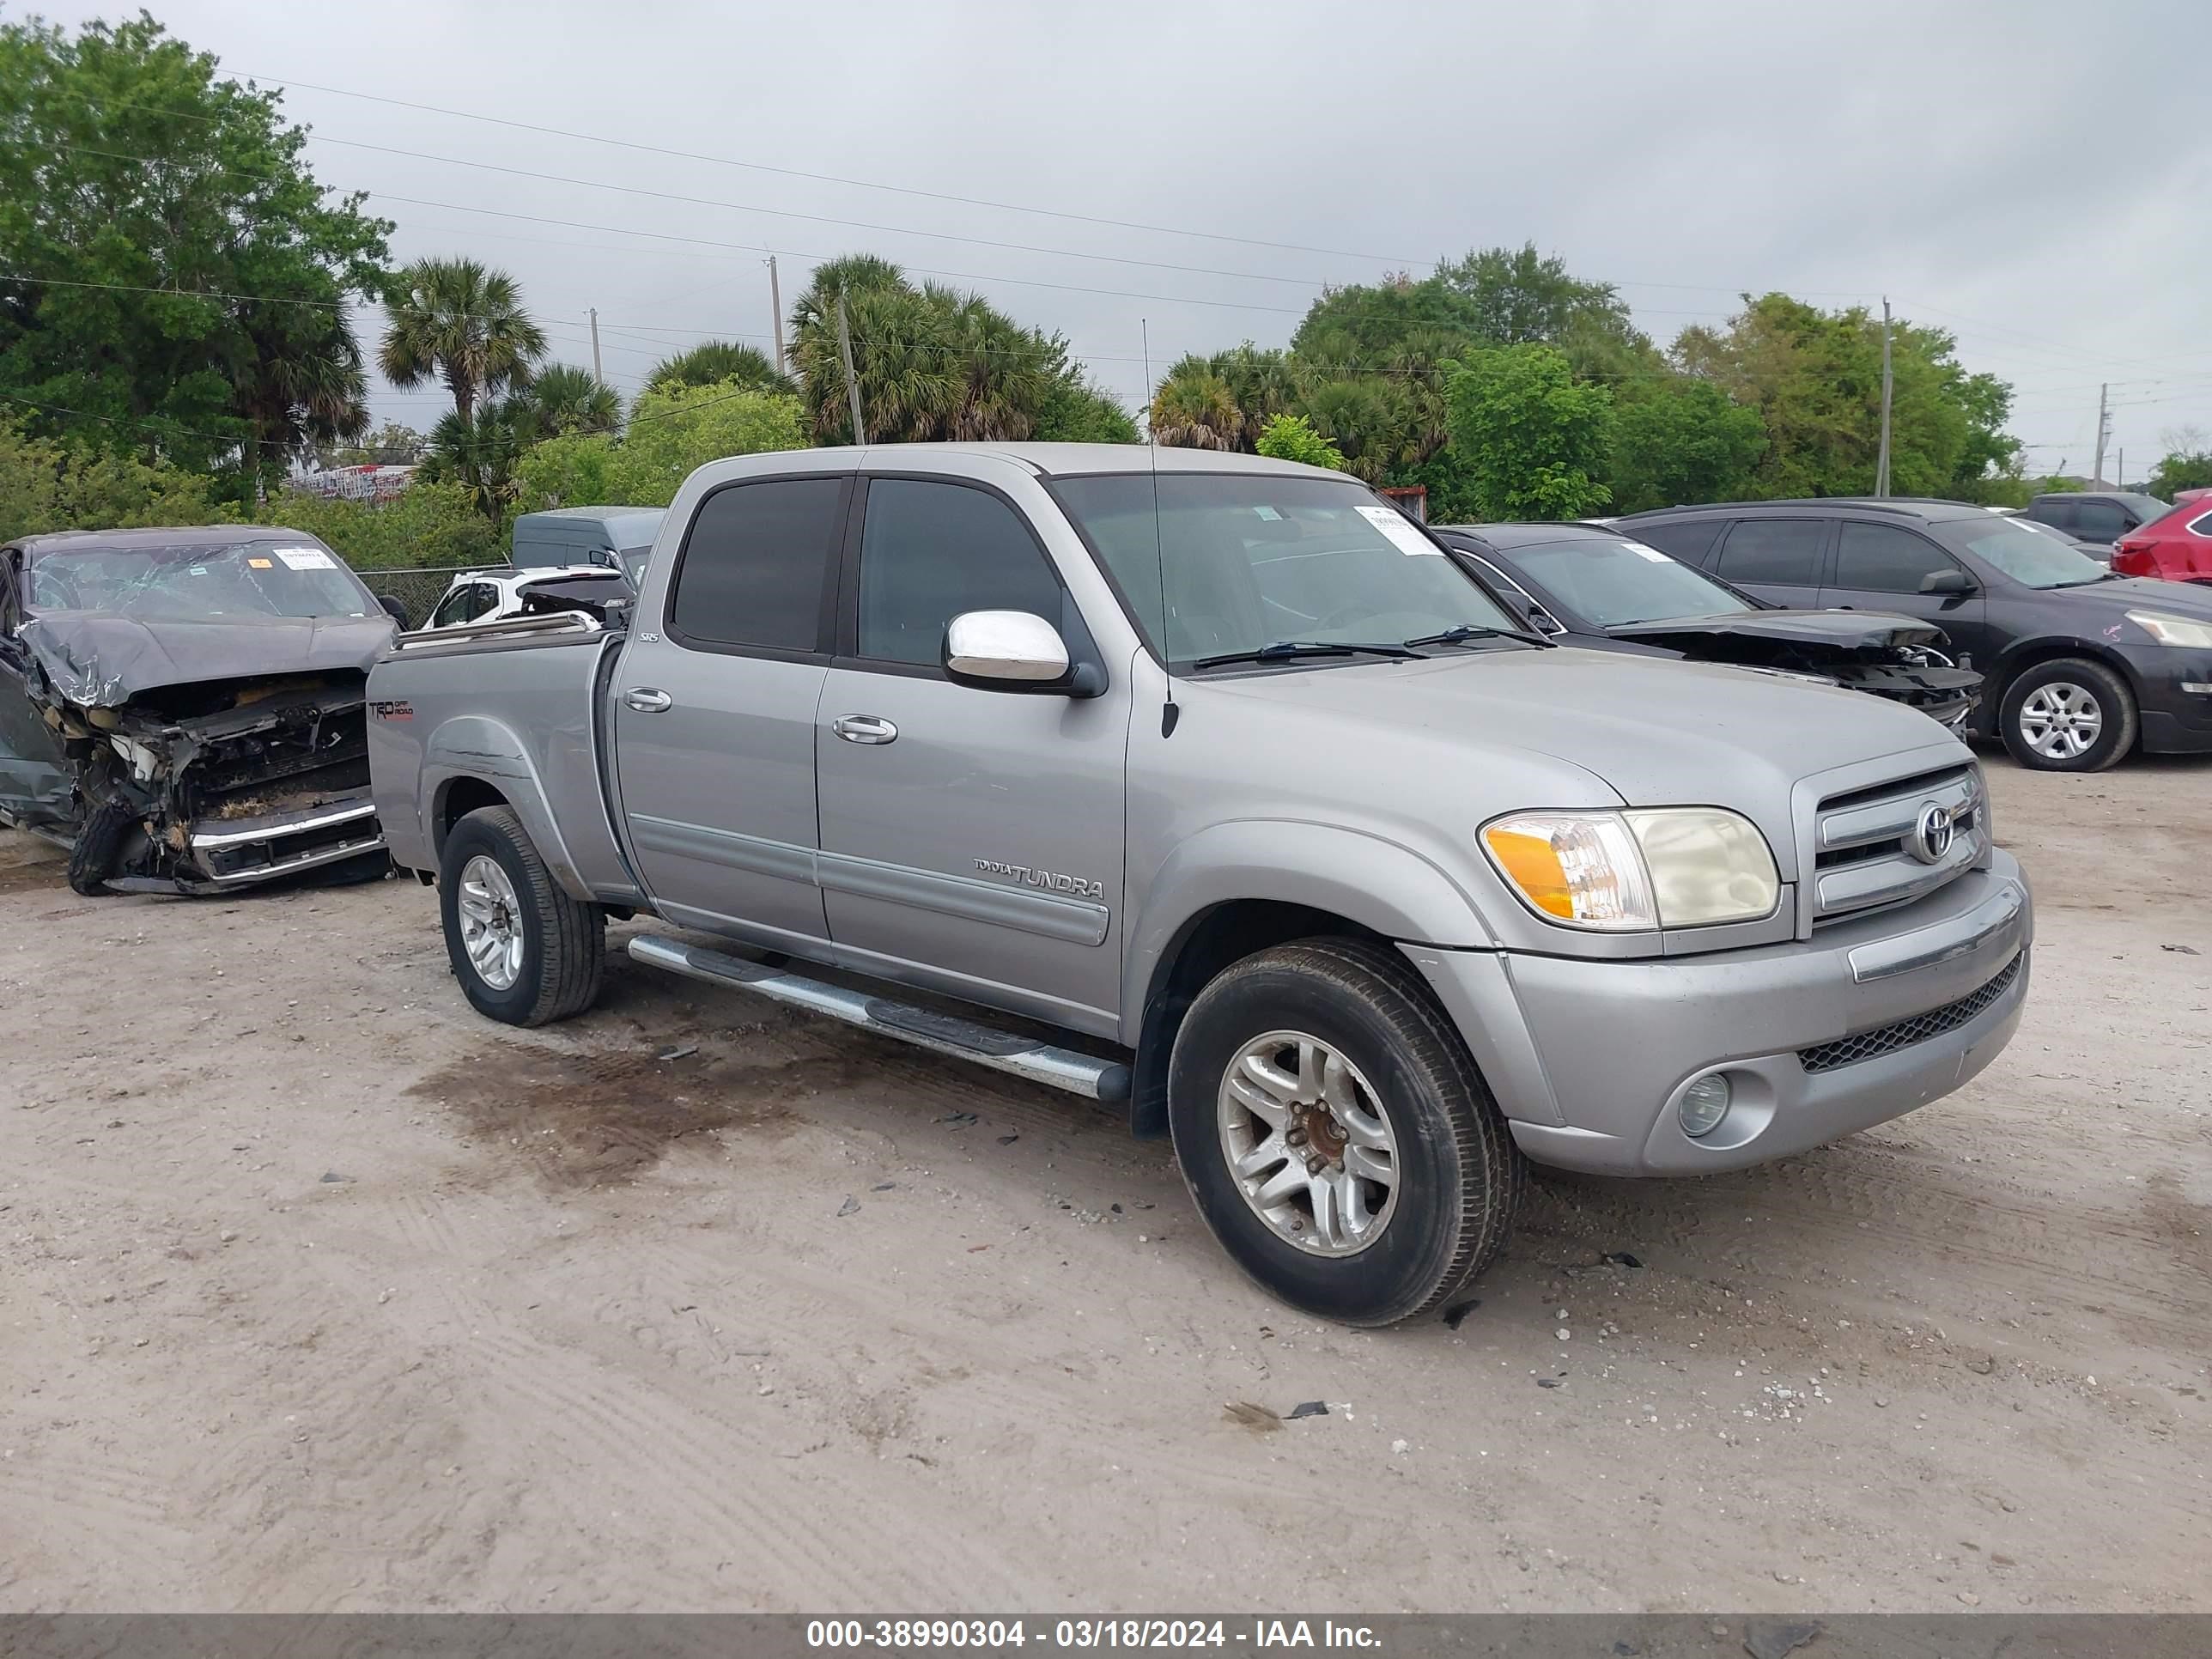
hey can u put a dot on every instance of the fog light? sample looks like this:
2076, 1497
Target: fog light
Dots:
1704, 1103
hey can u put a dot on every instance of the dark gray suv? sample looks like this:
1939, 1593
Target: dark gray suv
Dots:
2097, 518
2081, 665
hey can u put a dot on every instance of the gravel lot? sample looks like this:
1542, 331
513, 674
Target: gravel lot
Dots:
318, 1292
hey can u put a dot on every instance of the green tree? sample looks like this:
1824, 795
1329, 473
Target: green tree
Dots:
1532, 443
1517, 296
1678, 440
1288, 438
716, 362
458, 321
671, 434
2187, 464
1815, 378
1074, 411
392, 444
1195, 408
564, 401
176, 282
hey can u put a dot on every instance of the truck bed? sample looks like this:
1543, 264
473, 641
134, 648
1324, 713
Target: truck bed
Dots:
511, 711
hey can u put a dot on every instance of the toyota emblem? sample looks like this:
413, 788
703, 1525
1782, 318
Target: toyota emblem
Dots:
1931, 833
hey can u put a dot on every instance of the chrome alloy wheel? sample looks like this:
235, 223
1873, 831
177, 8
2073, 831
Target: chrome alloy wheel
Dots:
1309, 1144
491, 922
2061, 722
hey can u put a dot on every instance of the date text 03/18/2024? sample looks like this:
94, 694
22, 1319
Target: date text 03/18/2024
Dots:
987, 1635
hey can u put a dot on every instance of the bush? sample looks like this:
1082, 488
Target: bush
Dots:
673, 432
1289, 438
46, 486
429, 524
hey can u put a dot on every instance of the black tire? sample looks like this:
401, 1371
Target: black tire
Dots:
2115, 704
1459, 1175
97, 846
564, 943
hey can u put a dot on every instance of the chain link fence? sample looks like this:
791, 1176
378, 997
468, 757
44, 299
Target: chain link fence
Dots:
419, 590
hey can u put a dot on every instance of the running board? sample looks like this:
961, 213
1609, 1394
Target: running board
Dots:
944, 1034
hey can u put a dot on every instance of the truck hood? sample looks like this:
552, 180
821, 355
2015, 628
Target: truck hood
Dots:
1502, 730
98, 660
1848, 631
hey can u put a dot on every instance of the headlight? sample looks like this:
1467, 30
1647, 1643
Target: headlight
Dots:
1618, 873
2174, 630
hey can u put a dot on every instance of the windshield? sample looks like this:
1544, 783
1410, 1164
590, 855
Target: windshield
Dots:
201, 583
2145, 507
1230, 563
1612, 582
633, 564
2030, 559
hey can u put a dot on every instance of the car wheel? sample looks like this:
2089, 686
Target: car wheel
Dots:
97, 845
524, 952
2069, 715
1336, 1136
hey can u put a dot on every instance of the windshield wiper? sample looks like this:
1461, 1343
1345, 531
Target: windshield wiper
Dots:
1466, 631
1289, 650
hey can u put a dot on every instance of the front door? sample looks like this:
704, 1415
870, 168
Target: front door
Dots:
715, 710
971, 840
1881, 567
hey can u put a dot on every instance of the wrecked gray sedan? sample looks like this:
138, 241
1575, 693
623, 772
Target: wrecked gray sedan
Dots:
183, 709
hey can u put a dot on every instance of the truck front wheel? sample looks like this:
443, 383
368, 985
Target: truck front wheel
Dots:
1336, 1136
524, 952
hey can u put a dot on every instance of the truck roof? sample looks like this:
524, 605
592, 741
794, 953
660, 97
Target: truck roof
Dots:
1075, 460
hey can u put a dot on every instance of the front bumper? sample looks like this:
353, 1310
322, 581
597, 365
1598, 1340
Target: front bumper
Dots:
240, 852
2175, 721
1819, 1038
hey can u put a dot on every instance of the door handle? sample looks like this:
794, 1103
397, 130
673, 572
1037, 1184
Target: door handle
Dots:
647, 701
864, 728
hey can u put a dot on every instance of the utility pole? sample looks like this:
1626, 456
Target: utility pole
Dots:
775, 299
2104, 419
2120, 471
598, 374
851, 382
1882, 464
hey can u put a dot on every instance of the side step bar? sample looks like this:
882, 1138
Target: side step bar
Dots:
944, 1034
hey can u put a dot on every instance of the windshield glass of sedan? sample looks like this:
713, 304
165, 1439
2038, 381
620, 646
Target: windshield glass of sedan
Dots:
1611, 582
201, 582
2032, 560
1230, 563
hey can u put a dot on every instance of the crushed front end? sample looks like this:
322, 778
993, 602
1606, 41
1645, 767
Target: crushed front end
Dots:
197, 788
1893, 657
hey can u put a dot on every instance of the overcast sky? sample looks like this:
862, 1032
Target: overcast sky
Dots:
2036, 177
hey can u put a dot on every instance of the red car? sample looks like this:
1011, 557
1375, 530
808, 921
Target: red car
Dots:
2177, 548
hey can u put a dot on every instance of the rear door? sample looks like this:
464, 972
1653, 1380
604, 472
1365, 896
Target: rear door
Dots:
1781, 561
713, 711
971, 840
1882, 567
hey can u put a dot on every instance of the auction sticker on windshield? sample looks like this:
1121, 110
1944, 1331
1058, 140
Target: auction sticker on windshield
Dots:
1399, 530
305, 558
1651, 553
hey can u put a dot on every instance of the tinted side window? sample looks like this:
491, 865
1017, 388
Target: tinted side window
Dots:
1691, 540
454, 607
1888, 560
2099, 521
755, 563
1786, 551
929, 551
2059, 515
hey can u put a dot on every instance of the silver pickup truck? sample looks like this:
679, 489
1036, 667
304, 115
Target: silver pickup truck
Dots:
1209, 784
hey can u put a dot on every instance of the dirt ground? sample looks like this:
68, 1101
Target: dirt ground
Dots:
318, 1292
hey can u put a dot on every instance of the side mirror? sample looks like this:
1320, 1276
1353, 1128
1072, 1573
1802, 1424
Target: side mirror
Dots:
1952, 582
1008, 651
395, 610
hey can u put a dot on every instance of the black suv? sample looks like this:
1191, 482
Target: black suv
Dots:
2100, 518
2080, 664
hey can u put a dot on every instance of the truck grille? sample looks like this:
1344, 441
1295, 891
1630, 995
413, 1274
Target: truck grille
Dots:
1889, 1039
1865, 850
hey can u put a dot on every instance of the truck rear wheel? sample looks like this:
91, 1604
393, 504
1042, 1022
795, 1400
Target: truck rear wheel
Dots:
1336, 1136
524, 952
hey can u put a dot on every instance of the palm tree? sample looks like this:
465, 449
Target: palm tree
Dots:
301, 382
1195, 408
712, 362
455, 321
564, 401
480, 452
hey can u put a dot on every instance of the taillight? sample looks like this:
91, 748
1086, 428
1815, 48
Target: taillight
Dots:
2131, 559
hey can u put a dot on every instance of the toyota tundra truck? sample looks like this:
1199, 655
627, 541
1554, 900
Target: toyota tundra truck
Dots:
1209, 786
